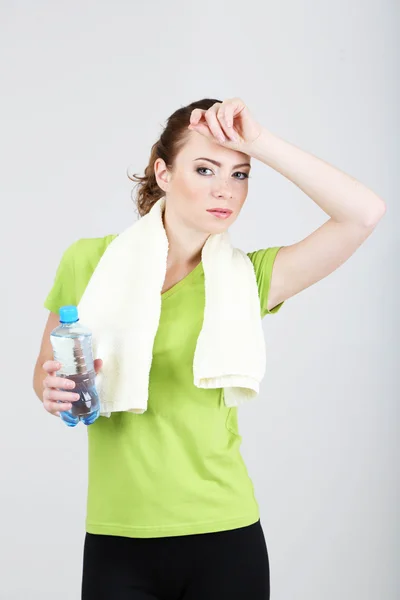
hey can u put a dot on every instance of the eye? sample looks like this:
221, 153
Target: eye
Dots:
245, 175
202, 169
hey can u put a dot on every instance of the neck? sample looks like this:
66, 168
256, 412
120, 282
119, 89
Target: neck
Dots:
185, 244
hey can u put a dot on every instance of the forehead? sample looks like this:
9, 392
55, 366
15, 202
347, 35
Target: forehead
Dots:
198, 145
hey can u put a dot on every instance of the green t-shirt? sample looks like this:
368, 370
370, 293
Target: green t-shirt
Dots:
177, 468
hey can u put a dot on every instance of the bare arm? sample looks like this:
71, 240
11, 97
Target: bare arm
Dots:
353, 208
300, 265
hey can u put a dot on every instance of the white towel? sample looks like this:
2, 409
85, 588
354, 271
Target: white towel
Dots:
122, 303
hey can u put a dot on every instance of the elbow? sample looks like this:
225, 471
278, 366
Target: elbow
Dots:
376, 213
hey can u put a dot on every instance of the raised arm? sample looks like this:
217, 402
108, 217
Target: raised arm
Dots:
354, 212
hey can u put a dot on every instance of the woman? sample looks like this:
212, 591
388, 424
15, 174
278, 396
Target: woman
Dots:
171, 512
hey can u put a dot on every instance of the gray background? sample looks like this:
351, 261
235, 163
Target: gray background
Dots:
86, 89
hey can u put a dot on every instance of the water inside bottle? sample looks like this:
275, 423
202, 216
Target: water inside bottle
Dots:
72, 349
84, 386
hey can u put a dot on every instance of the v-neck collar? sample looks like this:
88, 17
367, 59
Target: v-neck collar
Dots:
175, 288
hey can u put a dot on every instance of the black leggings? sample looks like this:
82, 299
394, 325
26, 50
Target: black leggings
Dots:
230, 565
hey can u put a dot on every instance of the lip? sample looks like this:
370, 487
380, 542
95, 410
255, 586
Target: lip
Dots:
220, 213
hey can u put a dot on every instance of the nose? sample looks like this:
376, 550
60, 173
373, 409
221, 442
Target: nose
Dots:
222, 189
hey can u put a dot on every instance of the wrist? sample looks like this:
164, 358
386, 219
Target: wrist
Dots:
261, 145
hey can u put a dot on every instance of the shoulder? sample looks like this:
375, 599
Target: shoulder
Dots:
75, 269
87, 251
264, 258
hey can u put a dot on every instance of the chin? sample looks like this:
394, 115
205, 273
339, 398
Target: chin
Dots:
219, 227
213, 225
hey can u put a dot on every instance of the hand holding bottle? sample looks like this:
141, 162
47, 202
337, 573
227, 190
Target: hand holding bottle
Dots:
56, 398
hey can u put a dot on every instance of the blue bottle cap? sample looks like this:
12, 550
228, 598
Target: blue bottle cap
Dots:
68, 314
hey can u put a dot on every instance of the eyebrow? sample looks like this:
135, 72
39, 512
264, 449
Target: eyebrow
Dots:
218, 164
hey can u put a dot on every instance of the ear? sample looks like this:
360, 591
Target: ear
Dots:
161, 174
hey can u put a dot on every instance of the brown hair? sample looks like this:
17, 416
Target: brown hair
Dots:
171, 141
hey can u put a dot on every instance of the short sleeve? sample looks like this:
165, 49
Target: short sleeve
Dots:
263, 263
63, 291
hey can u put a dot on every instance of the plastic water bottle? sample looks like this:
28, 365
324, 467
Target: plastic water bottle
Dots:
72, 348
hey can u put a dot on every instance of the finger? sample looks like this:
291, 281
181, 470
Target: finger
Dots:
51, 366
203, 129
98, 363
61, 407
54, 409
196, 115
229, 116
52, 381
225, 118
198, 123
214, 125
59, 396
